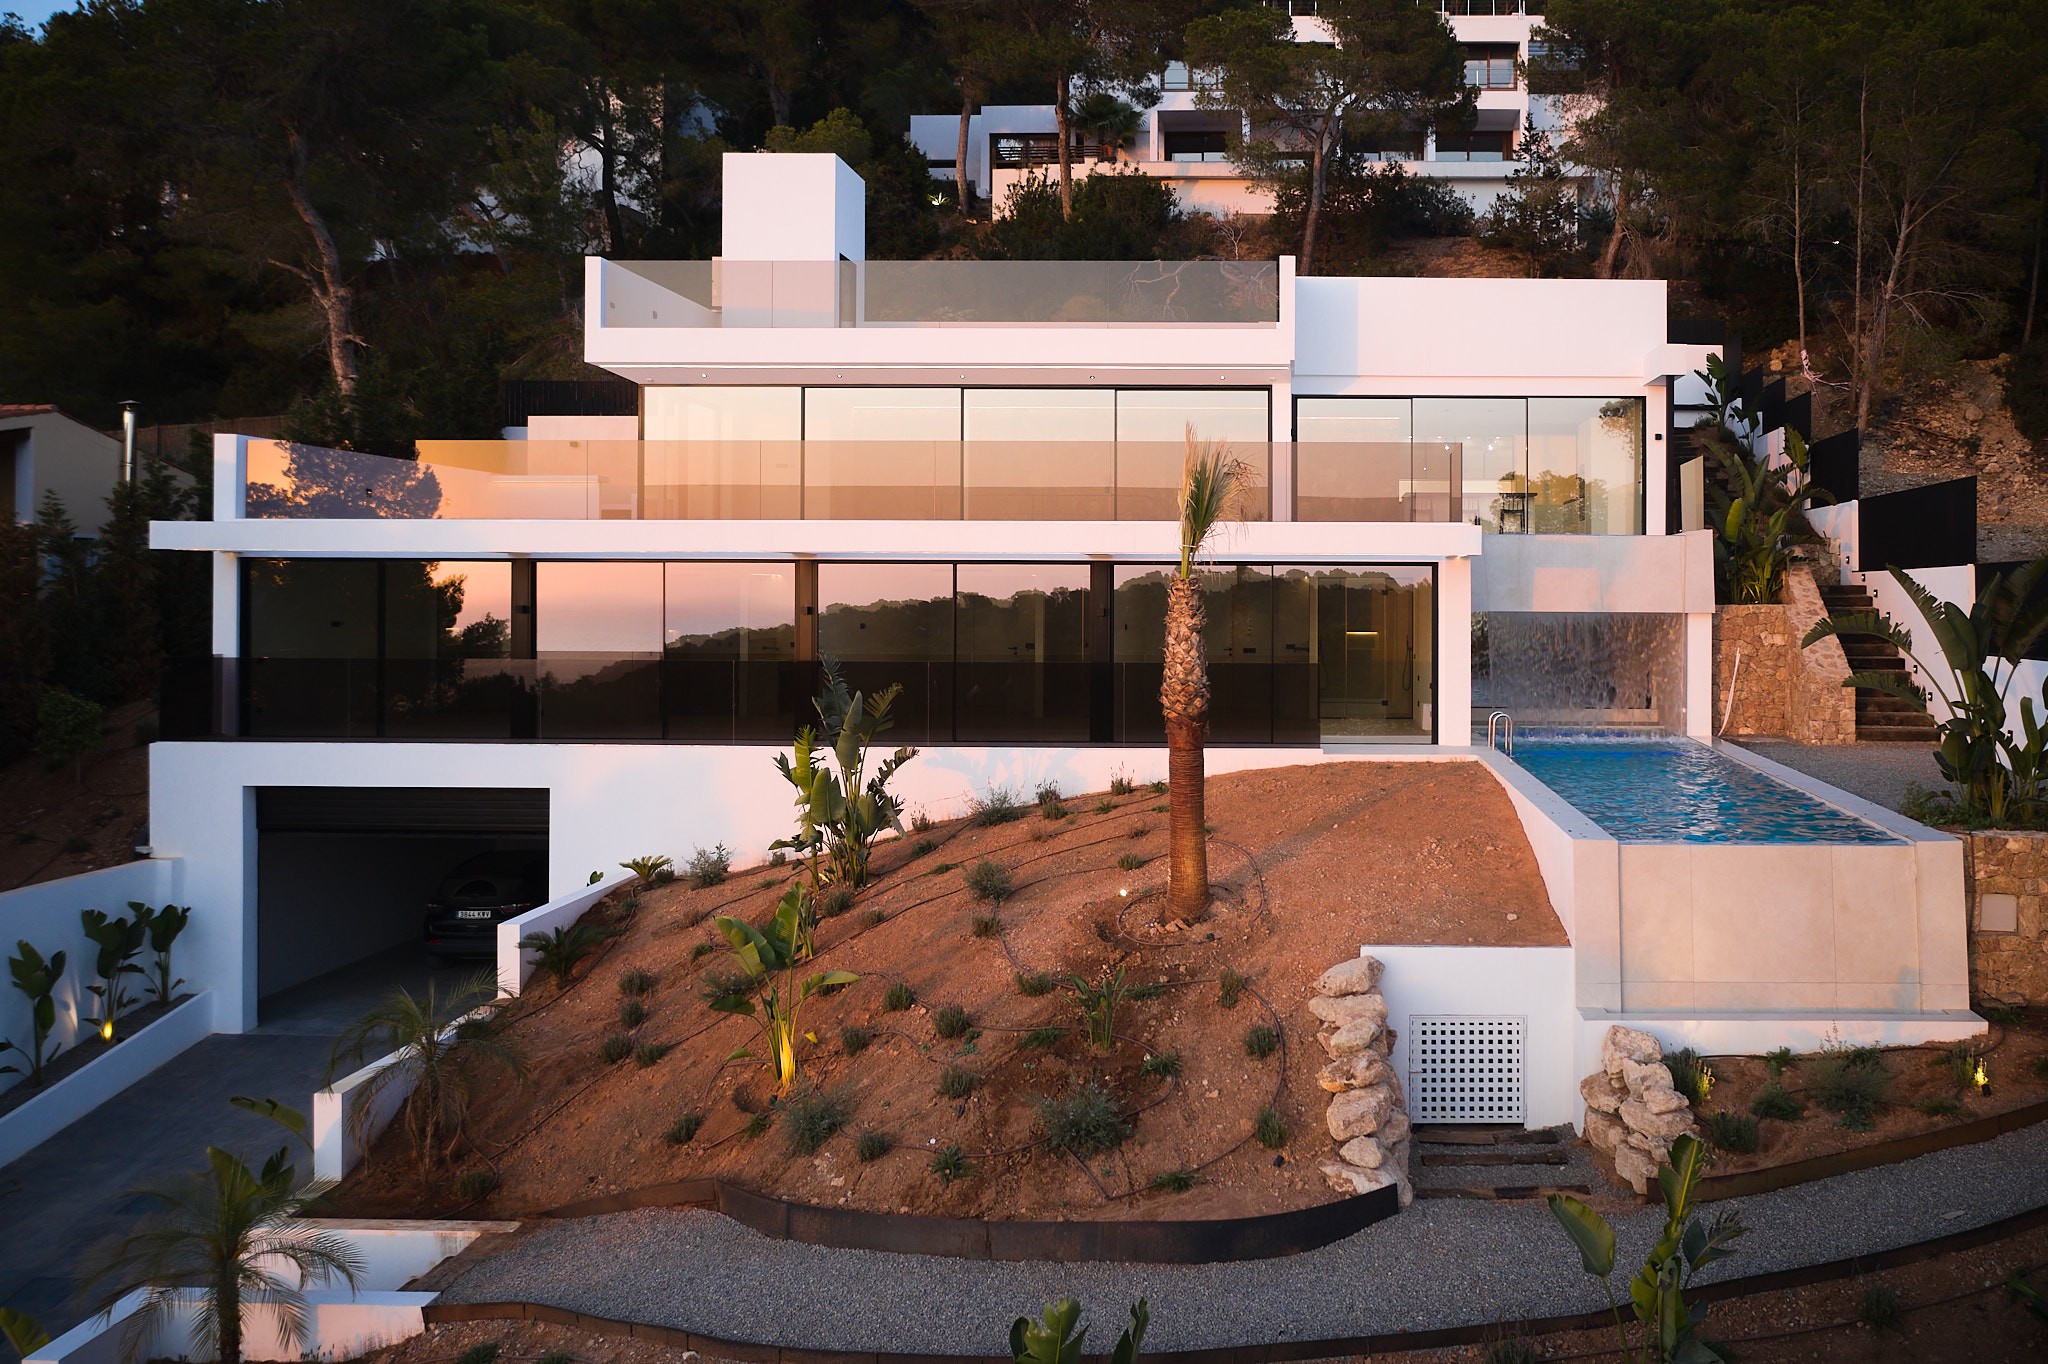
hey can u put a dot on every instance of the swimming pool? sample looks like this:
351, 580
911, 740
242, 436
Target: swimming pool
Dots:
1678, 791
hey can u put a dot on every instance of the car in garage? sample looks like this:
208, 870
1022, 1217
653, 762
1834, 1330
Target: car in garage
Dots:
480, 893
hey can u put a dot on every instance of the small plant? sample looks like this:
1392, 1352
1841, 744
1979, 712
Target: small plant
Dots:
474, 1185
855, 1039
708, 867
2041, 1066
951, 1022
1690, 1076
1157, 788
616, 1048
647, 1053
1880, 1309
1853, 1083
635, 982
1778, 1060
1105, 807
1161, 809
842, 806
770, 957
957, 1082
1086, 1122
810, 1118
999, 805
924, 847
1151, 989
1098, 1004
835, 902
778, 857
655, 869
163, 927
987, 926
898, 997
1270, 1128
1942, 1107
559, 953
1161, 1065
555, 1357
1035, 984
67, 728
1175, 1181
758, 1124
990, 883
632, 1014
2004, 1015
1055, 1338
701, 950
117, 941
1961, 1065
1120, 783
1733, 1132
683, 1130
921, 822
949, 1163
1512, 1351
486, 1353
1260, 1041
1230, 987
1048, 799
874, 918
718, 985
1044, 1037
1130, 862
1776, 1102
871, 1146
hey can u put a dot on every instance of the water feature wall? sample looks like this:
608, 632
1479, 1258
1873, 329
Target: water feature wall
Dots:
1580, 669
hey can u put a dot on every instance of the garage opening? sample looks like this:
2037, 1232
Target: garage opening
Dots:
345, 877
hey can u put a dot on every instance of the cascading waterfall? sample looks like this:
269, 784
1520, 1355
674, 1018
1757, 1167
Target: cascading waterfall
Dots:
1580, 669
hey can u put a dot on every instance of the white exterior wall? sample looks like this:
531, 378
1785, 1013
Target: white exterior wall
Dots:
66, 458
792, 206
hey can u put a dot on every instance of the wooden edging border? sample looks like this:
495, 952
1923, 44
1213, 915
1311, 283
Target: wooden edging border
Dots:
440, 1313
1192, 1241
1747, 1183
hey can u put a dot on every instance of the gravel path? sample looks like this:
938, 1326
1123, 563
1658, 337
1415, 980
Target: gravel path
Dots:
1880, 773
1440, 1263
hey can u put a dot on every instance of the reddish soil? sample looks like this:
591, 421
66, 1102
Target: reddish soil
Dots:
52, 824
1308, 863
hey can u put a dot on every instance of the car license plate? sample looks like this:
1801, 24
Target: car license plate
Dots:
473, 913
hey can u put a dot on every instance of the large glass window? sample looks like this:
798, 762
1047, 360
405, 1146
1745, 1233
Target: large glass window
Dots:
893, 623
1585, 465
448, 649
719, 452
1353, 461
599, 637
1040, 454
1483, 442
1151, 444
310, 654
1357, 650
729, 650
1022, 651
1238, 640
882, 454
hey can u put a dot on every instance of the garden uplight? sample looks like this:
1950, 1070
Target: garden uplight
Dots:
107, 1031
1981, 1079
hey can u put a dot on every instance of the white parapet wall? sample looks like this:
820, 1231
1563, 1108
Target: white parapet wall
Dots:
345, 1122
65, 1101
515, 963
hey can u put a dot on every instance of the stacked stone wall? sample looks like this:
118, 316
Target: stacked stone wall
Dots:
1633, 1112
2008, 937
1367, 1118
1780, 689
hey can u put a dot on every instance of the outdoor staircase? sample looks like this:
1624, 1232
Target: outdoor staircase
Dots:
1879, 718
1500, 1164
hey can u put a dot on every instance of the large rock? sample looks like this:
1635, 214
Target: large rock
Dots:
1337, 1010
1359, 1113
1353, 977
1395, 1130
1662, 1100
1634, 1168
1604, 1131
1623, 1042
1601, 1094
1367, 1034
1363, 1151
1660, 1126
1640, 1076
1357, 1071
1354, 1179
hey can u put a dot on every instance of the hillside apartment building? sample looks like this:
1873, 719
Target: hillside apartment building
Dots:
960, 476
1185, 145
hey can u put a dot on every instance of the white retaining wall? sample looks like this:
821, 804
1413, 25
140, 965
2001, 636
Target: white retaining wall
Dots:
79, 1093
515, 963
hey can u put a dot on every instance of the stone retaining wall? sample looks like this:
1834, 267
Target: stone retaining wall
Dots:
2008, 878
1781, 689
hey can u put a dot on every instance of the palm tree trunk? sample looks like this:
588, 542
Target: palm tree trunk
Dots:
1184, 697
227, 1305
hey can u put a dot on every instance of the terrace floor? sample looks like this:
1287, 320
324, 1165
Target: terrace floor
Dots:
1880, 773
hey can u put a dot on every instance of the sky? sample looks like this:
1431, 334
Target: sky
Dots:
33, 12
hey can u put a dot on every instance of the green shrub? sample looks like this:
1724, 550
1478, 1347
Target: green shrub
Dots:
651, 868
476, 1184
555, 1357
683, 1129
1734, 1132
809, 1118
2004, 1015
1161, 1065
898, 997
835, 902
1774, 1101
1174, 1181
709, 867
1270, 1129
1151, 989
1120, 783
1230, 986
957, 1082
559, 953
759, 1124
1098, 1004
1938, 1108
990, 883
922, 822
924, 847
874, 918
1034, 984
1853, 1083
486, 1353
2040, 1066
1044, 1037
647, 1053
1140, 830
943, 868
1959, 1062
1130, 862
1880, 1309
871, 1146
1690, 1076
67, 728
702, 949
632, 1013
855, 1039
1000, 805
951, 1021
1260, 1042
1106, 807
616, 1048
949, 1163
721, 985
1779, 1060
986, 926
1050, 805
635, 982
778, 857
1086, 1121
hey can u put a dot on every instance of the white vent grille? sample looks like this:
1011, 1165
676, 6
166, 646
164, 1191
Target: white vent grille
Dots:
1464, 1069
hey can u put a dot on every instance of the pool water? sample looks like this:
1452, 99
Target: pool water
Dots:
1677, 791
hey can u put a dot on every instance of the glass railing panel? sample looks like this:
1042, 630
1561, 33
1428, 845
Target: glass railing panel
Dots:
940, 293
309, 698
599, 696
1375, 481
1040, 481
881, 480
1022, 702
1148, 480
529, 480
291, 481
723, 481
660, 293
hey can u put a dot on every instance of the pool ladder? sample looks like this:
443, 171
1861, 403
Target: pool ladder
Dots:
1502, 725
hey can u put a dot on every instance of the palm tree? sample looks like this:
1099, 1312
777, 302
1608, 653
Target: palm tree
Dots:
217, 1242
1210, 482
438, 1046
1111, 122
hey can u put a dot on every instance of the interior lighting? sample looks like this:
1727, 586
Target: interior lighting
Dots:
1361, 634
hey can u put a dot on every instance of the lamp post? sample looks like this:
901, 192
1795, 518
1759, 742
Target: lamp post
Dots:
127, 440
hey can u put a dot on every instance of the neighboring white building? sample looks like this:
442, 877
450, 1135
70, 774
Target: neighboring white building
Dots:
42, 451
1183, 143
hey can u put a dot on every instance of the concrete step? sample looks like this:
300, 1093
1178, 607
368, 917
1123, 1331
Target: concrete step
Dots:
1895, 734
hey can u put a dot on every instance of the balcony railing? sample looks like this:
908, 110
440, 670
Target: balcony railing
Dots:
941, 293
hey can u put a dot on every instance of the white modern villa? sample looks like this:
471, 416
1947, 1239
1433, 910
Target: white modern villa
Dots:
960, 477
1183, 141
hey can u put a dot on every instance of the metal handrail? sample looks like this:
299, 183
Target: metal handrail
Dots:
1501, 724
